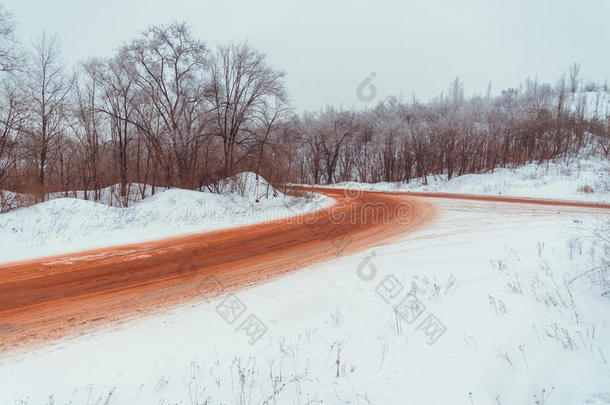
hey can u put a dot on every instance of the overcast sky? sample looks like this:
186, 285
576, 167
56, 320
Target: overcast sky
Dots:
328, 48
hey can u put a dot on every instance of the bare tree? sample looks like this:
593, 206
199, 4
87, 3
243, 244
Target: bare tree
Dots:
119, 101
312, 141
48, 87
88, 124
169, 68
10, 55
241, 85
339, 127
574, 77
13, 117
270, 119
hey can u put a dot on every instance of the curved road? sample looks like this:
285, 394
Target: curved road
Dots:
52, 297
49, 298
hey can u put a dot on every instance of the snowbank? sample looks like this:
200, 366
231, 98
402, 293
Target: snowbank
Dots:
245, 184
582, 180
64, 225
111, 195
249, 185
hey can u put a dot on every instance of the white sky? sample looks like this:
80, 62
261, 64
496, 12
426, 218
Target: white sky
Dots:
328, 48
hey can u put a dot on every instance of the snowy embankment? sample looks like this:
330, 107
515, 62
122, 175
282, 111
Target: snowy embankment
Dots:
63, 225
580, 180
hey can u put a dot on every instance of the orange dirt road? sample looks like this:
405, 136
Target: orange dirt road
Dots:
49, 298
493, 198
54, 297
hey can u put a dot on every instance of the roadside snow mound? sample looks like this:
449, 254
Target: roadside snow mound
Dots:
582, 180
111, 195
245, 184
63, 225
248, 185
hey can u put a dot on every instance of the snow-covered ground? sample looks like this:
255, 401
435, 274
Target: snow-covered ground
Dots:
580, 180
511, 307
63, 225
517, 318
594, 104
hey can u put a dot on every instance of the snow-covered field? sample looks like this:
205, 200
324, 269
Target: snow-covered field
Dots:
580, 180
63, 225
517, 318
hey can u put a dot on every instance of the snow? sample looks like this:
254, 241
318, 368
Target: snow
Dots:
245, 184
111, 195
596, 103
248, 184
562, 181
524, 317
63, 225
469, 267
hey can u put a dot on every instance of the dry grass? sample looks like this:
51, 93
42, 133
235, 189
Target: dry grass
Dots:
586, 189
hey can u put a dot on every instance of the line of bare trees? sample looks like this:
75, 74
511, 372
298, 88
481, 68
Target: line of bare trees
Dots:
165, 111
451, 135
168, 111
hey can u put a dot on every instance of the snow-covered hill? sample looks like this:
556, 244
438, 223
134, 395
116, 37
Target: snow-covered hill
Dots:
593, 104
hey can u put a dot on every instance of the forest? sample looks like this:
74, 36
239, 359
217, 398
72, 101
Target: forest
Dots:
168, 110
